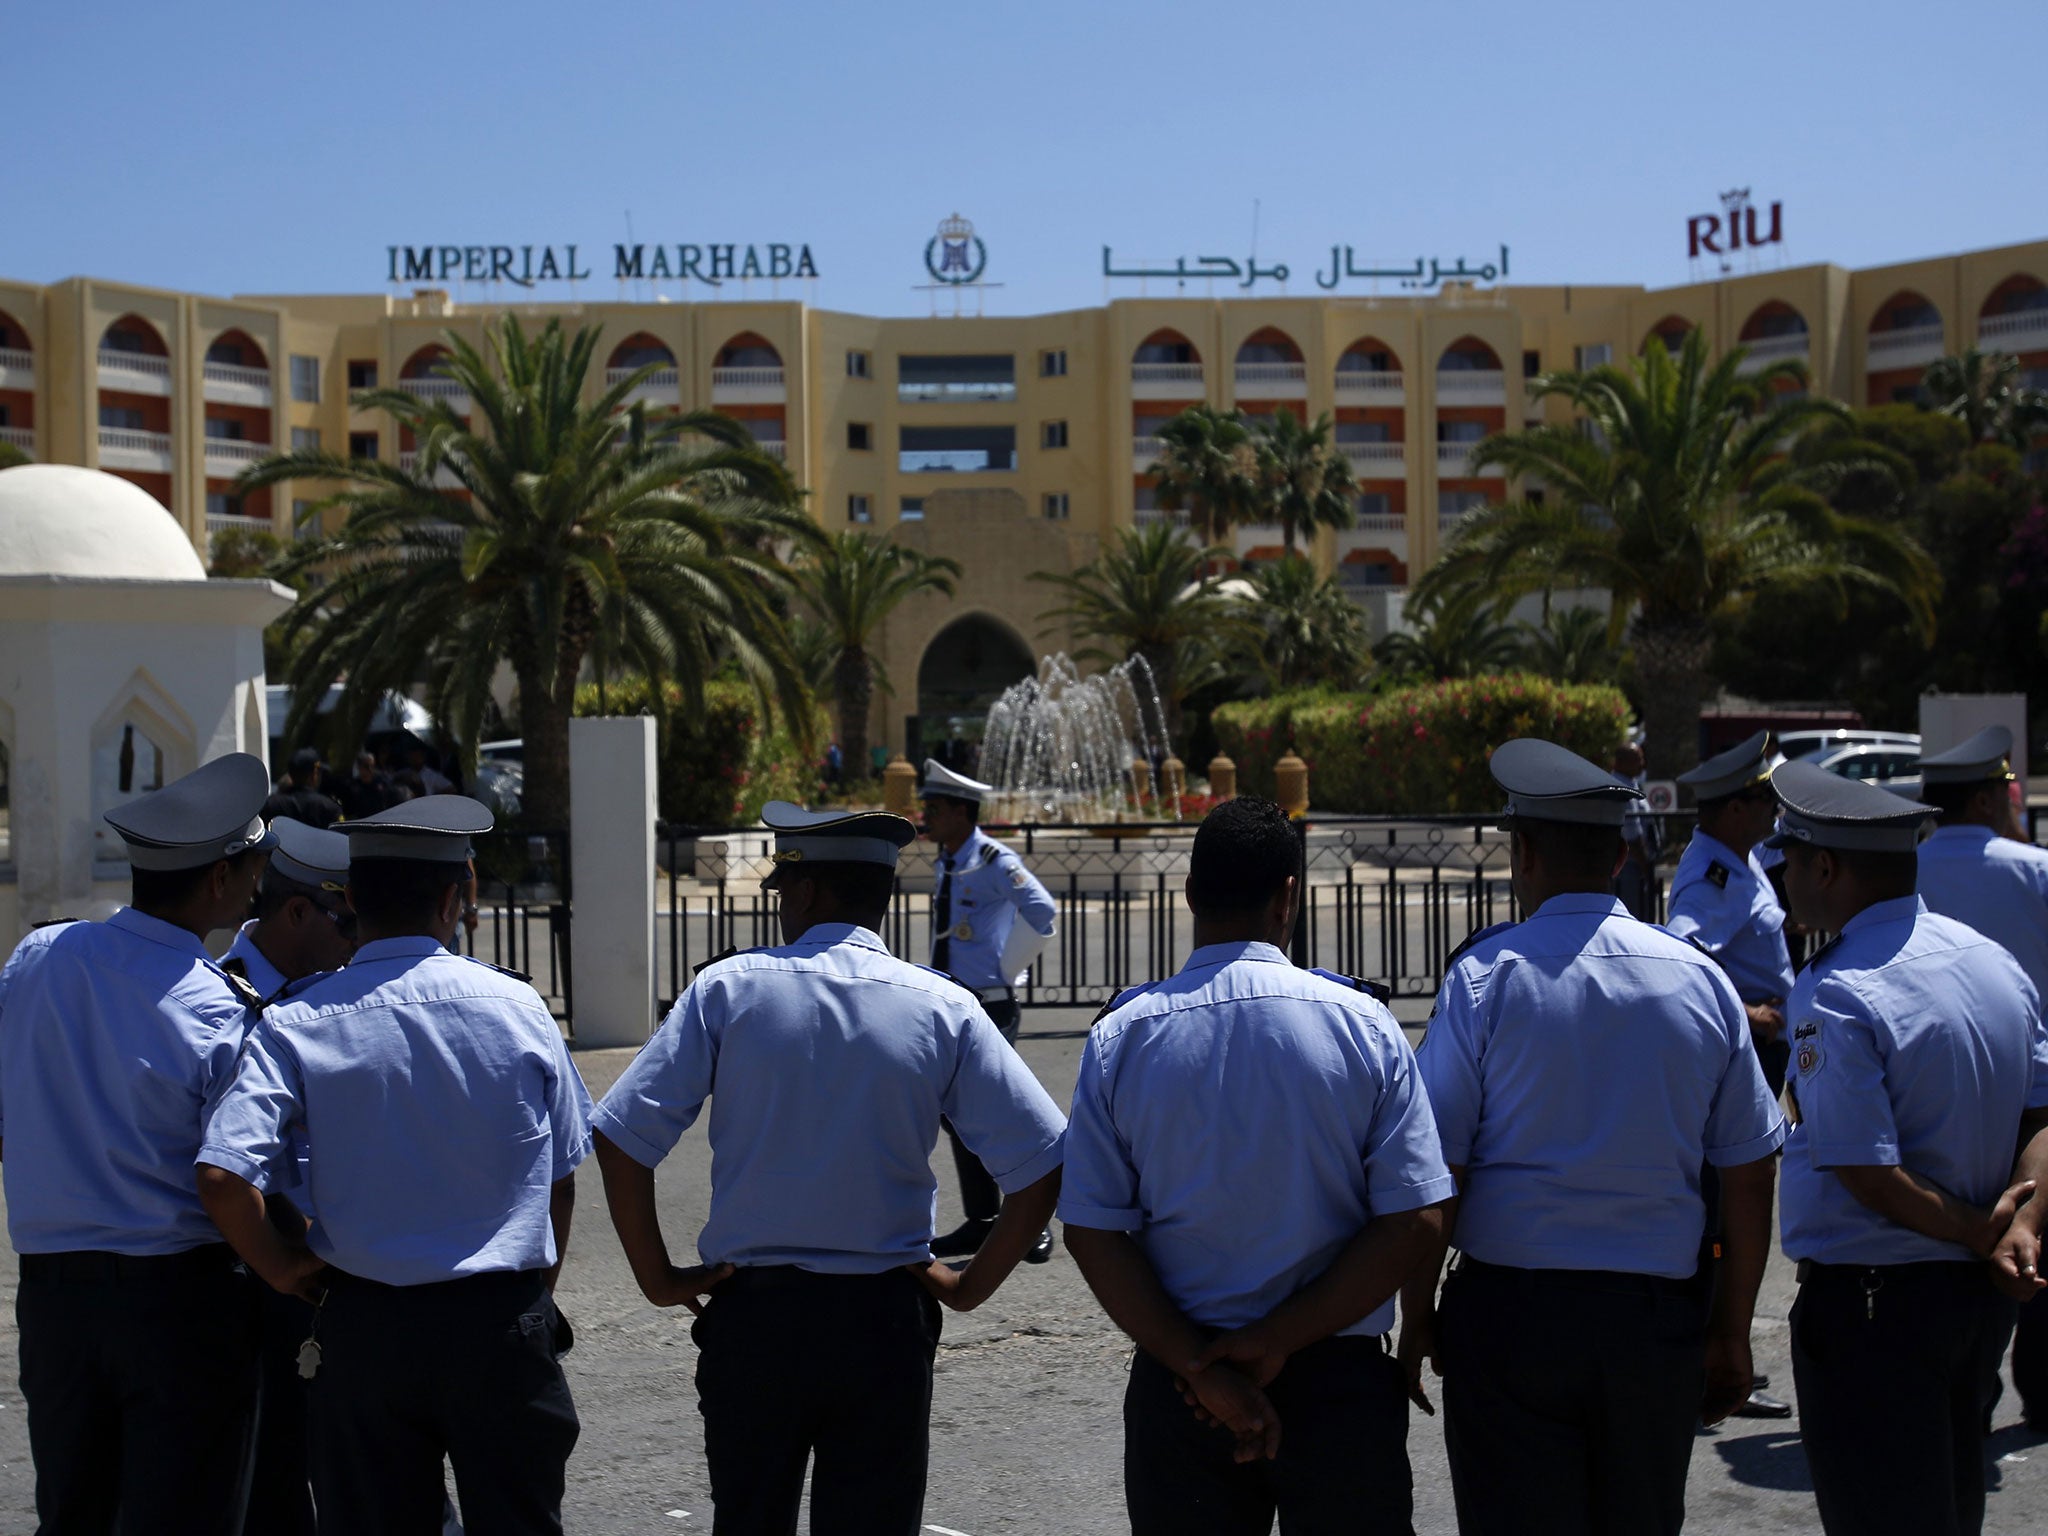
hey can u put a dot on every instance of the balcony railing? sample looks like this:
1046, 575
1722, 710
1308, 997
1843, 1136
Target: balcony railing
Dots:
17, 368
454, 391
1906, 347
775, 447
1455, 460
127, 448
957, 389
662, 378
1471, 386
1449, 523
236, 452
1377, 461
1762, 351
1380, 522
1154, 379
958, 461
137, 372
234, 522
747, 386
2024, 331
1272, 378
1387, 388
231, 381
1147, 515
1146, 451
23, 438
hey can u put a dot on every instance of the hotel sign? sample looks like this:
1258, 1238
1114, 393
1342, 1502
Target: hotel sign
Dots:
525, 265
1733, 229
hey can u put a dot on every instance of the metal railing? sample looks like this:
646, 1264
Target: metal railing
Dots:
523, 912
1387, 899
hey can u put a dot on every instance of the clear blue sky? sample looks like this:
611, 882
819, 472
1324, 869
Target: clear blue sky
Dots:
238, 147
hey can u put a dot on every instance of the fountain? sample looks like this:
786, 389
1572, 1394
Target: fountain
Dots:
1061, 747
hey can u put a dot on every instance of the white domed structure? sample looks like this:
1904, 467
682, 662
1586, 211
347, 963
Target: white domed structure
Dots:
122, 667
59, 520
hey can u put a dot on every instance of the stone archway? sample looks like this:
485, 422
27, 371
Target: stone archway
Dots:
964, 671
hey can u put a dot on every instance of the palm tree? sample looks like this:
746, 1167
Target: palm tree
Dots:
1679, 499
1151, 594
1986, 393
1208, 468
1571, 645
583, 529
1453, 635
1303, 482
851, 583
1307, 629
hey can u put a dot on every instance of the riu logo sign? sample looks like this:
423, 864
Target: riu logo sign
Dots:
517, 264
1733, 229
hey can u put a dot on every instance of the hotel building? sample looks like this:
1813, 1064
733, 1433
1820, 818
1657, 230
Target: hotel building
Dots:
1013, 444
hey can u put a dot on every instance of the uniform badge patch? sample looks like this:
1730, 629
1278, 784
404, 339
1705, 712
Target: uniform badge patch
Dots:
1806, 1051
1018, 877
1717, 875
964, 932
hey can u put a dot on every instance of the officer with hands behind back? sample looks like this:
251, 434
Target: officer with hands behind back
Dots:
138, 1331
1583, 1067
442, 1122
1251, 1153
828, 1063
990, 919
1920, 1071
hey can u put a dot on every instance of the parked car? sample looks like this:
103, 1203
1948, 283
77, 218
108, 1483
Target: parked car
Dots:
1806, 743
501, 776
1888, 765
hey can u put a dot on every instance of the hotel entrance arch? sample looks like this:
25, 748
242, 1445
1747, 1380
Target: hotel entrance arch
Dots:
964, 671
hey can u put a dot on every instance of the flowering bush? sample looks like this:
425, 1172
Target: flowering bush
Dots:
1416, 751
715, 767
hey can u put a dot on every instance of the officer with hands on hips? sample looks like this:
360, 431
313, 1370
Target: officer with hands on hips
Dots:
1975, 869
990, 920
442, 1122
138, 1332
1920, 1065
1583, 1067
1251, 1154
1722, 899
828, 1063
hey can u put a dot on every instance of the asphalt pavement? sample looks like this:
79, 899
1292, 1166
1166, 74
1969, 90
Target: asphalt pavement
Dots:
1026, 1420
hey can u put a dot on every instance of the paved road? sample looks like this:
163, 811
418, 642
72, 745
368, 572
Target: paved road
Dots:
1026, 1432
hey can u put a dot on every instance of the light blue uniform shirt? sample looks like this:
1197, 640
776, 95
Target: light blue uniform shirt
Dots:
112, 1037
1728, 906
832, 1062
437, 1106
1245, 1120
1583, 1066
991, 889
1994, 885
1916, 1043
266, 978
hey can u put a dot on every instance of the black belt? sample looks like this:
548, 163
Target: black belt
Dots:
91, 1267
1582, 1279
1808, 1270
789, 1277
492, 1279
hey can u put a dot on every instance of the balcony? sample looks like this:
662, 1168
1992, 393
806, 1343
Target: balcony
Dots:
230, 522
1471, 386
126, 448
2025, 331
1377, 461
747, 386
1145, 516
775, 447
23, 438
17, 369
1765, 350
1910, 346
227, 457
1380, 522
1449, 524
452, 392
951, 461
1145, 452
444, 478
135, 373
1454, 462
661, 387
1271, 381
1365, 387
1166, 381
232, 384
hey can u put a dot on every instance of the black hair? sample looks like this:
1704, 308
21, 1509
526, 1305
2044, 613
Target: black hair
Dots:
1953, 800
1245, 851
971, 807
401, 894
1574, 852
1886, 872
157, 889
277, 889
861, 890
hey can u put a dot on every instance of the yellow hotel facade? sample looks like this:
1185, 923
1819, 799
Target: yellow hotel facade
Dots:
1013, 444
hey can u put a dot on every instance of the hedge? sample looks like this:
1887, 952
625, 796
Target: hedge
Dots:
1415, 751
716, 767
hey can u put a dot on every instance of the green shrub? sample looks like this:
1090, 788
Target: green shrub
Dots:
716, 766
1415, 751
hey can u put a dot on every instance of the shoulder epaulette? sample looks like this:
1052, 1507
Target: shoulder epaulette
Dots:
238, 978
729, 951
1473, 938
1117, 1000
292, 988
992, 852
54, 922
1717, 875
1372, 989
1815, 958
502, 970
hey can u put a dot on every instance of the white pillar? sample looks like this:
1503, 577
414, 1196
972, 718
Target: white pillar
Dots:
611, 854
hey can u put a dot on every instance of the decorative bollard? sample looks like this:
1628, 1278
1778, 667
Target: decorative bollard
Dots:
1141, 782
899, 787
1222, 777
1290, 784
1173, 782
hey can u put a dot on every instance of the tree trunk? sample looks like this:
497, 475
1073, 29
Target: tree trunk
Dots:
1671, 670
853, 689
544, 726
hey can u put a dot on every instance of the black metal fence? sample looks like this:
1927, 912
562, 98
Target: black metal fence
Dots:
522, 896
1387, 899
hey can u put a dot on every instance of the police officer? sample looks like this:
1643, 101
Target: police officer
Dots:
138, 1331
828, 1062
1975, 870
1583, 1066
442, 1122
1721, 896
1200, 1100
990, 919
1919, 1062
